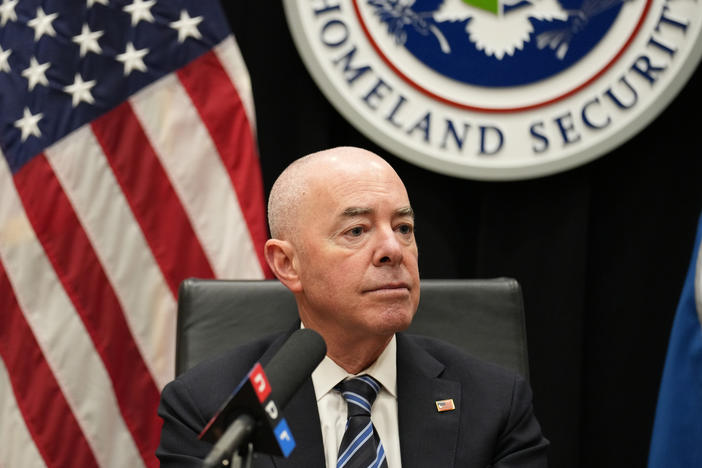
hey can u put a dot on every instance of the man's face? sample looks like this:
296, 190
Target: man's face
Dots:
357, 256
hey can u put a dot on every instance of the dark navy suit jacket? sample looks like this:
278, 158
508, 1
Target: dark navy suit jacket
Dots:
493, 424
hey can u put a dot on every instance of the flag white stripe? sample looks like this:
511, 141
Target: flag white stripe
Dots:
18, 447
230, 56
148, 304
189, 156
61, 335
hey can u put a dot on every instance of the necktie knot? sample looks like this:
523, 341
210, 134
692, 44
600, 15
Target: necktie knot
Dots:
359, 393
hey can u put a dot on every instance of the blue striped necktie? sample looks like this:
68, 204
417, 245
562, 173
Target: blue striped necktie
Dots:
360, 446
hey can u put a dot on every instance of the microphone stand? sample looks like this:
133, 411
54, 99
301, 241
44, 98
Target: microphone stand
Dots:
244, 457
232, 439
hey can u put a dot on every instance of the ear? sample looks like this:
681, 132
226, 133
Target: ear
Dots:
280, 256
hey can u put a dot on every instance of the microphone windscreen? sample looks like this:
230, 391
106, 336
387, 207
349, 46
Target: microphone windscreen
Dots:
294, 363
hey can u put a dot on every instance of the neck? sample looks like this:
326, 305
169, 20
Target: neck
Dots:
351, 352
357, 355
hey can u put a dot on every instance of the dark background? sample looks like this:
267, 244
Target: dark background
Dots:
601, 251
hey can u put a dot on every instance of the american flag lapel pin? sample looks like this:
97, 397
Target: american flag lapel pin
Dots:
445, 405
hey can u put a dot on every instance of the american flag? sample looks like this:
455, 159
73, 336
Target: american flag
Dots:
128, 164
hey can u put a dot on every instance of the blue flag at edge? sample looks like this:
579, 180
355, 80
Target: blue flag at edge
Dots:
677, 429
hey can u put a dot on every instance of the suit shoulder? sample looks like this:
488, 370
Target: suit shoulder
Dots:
458, 362
216, 377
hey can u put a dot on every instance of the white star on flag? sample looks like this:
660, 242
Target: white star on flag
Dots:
80, 90
42, 24
187, 26
87, 40
4, 56
133, 59
29, 124
36, 73
93, 2
7, 11
140, 10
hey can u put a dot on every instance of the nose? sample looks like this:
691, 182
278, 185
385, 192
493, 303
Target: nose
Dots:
388, 249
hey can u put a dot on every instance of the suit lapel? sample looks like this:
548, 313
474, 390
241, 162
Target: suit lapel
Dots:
303, 418
427, 437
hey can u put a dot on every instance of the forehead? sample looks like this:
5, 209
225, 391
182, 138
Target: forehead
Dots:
370, 187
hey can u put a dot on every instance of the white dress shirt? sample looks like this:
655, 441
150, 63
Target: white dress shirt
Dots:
333, 408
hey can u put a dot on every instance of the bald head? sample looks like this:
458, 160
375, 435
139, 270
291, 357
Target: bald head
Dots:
297, 180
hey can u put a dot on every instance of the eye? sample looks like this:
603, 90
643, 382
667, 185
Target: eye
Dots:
405, 229
355, 231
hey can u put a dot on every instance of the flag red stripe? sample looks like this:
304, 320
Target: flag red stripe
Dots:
218, 104
77, 266
39, 398
144, 181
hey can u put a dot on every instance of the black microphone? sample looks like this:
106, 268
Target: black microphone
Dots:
254, 410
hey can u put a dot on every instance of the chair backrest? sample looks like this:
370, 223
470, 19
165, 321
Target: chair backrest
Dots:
485, 317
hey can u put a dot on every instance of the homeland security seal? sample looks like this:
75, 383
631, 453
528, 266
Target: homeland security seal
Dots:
498, 89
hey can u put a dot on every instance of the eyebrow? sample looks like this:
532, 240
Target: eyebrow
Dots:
361, 211
405, 211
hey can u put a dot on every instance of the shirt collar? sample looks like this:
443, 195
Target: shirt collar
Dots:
384, 370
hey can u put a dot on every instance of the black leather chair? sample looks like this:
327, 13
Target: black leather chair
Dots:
485, 317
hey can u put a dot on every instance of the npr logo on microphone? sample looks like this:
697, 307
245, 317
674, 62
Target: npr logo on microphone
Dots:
262, 388
284, 437
260, 384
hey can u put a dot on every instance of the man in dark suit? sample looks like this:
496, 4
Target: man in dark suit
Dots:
343, 242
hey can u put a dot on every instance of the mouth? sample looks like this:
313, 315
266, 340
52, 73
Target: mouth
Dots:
395, 287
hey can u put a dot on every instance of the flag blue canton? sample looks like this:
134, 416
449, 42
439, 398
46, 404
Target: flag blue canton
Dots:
64, 63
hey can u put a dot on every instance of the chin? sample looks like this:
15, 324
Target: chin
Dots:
394, 321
